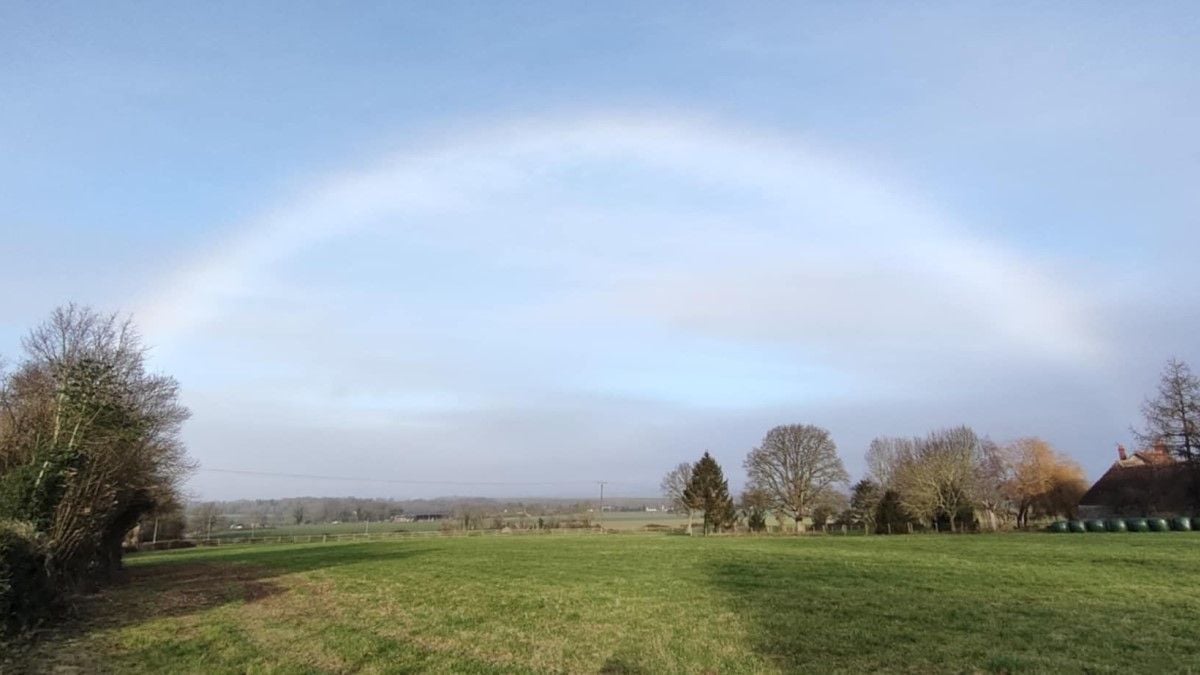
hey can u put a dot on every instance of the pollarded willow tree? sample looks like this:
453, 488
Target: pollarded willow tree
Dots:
89, 442
795, 466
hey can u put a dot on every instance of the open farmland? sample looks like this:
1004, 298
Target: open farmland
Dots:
624, 521
619, 603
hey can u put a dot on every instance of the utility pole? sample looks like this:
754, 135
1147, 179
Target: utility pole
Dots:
602, 484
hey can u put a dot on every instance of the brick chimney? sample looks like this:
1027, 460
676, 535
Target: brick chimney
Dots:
1121, 452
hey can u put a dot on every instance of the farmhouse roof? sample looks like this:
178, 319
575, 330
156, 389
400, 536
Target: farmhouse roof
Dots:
1146, 482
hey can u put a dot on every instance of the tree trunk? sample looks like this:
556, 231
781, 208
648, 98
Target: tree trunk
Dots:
689, 525
799, 524
992, 519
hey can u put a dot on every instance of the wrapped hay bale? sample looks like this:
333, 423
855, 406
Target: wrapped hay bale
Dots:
1137, 525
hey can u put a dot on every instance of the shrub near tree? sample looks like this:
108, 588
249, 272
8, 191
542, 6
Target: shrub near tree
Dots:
864, 502
708, 491
756, 506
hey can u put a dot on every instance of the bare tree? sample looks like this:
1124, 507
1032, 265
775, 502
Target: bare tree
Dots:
674, 484
204, 518
994, 472
795, 466
882, 456
1172, 418
938, 476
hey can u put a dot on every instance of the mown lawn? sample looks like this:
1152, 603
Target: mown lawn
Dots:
652, 604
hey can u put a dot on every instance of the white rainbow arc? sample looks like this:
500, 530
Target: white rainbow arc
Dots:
1027, 303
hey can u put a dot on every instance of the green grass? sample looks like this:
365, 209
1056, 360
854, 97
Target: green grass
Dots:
652, 604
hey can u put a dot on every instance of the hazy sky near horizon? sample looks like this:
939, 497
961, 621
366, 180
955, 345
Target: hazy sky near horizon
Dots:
562, 242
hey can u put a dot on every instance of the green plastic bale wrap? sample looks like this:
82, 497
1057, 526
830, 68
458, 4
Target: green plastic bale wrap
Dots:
1181, 524
1077, 526
1196, 523
1096, 526
1059, 526
1117, 525
1158, 525
1137, 525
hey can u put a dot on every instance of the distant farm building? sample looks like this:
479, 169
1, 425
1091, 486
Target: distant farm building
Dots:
426, 517
1148, 482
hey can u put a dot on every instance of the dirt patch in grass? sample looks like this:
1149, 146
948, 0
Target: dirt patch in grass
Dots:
140, 594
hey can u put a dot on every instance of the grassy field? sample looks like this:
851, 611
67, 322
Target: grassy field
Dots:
324, 528
651, 604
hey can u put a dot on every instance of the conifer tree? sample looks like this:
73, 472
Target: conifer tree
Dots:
708, 491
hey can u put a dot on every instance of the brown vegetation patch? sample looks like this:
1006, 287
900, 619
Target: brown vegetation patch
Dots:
176, 590
140, 594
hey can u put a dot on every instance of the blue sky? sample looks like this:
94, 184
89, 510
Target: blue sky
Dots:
558, 242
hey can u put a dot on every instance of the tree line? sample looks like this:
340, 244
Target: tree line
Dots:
948, 479
204, 517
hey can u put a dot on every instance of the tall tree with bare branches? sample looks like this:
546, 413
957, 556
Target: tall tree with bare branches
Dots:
1172, 418
674, 486
881, 458
795, 465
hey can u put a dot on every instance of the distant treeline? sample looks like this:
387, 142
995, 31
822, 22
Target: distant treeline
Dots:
202, 517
